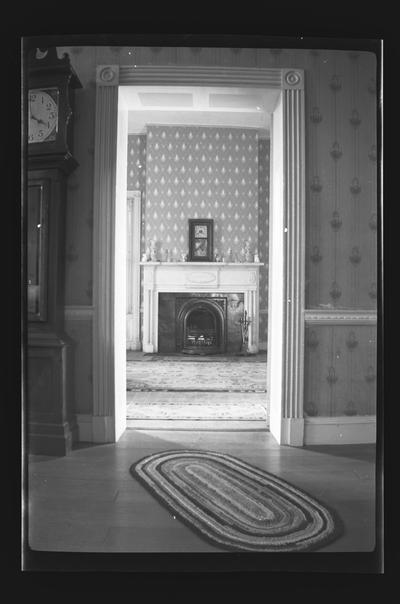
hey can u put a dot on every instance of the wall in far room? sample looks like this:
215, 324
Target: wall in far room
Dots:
204, 172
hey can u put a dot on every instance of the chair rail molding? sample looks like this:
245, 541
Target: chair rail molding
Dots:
340, 317
288, 312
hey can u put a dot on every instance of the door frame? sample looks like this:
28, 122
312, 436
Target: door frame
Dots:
285, 366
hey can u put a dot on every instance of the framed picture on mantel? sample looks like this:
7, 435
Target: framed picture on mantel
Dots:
201, 240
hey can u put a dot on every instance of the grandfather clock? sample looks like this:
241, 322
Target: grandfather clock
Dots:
50, 419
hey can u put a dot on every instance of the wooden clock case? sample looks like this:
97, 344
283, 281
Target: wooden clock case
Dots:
51, 424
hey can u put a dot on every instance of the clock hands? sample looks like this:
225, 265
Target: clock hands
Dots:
38, 120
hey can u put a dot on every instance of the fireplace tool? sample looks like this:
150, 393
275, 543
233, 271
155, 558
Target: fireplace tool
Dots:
244, 326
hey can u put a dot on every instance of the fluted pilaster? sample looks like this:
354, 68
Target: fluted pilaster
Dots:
103, 248
294, 249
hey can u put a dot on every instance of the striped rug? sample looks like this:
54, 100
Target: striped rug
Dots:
234, 504
211, 376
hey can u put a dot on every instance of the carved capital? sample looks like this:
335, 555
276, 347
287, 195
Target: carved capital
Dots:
292, 78
107, 75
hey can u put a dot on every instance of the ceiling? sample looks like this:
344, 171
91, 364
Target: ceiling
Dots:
196, 105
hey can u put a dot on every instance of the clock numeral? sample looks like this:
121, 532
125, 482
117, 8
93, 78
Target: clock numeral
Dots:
52, 115
32, 97
40, 133
30, 138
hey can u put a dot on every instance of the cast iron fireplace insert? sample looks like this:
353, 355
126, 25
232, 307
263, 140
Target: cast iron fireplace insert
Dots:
201, 326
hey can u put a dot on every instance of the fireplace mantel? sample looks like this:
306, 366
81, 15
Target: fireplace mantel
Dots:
195, 277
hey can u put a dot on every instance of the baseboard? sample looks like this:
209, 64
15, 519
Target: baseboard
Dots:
85, 427
317, 430
103, 429
52, 439
292, 431
95, 428
340, 430
133, 345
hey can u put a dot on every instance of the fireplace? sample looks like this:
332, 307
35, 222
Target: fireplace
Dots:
221, 291
201, 325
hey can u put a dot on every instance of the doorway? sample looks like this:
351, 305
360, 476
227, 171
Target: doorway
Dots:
286, 263
196, 152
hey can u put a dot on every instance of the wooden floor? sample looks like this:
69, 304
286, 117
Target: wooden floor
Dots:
88, 501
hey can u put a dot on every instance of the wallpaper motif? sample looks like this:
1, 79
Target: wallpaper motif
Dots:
200, 172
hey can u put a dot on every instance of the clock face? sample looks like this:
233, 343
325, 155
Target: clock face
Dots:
43, 116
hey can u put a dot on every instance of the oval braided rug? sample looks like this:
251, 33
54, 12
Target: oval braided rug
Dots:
234, 504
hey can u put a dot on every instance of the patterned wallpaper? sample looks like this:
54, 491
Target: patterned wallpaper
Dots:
340, 370
190, 172
263, 227
81, 332
341, 180
341, 154
136, 173
201, 172
342, 208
